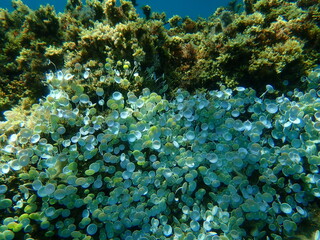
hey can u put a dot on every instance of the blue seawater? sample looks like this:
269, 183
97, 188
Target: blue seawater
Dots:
191, 8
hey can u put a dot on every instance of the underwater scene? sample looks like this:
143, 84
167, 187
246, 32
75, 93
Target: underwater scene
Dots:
119, 122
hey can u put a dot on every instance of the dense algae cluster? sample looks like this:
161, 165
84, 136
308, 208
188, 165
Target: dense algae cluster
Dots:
268, 43
217, 164
120, 149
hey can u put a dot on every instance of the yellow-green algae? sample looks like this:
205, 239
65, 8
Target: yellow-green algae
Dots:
271, 41
189, 53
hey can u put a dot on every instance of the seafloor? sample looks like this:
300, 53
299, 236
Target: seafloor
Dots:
120, 126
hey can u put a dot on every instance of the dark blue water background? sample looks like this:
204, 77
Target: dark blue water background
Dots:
191, 8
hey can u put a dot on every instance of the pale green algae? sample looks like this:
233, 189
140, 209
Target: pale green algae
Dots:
218, 164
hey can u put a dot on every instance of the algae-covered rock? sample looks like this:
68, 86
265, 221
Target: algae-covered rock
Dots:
269, 42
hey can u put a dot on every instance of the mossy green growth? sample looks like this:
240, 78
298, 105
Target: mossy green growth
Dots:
35, 216
73, 166
52, 201
203, 170
147, 144
33, 174
89, 172
23, 216
76, 234
87, 238
77, 88
32, 199
85, 221
30, 208
117, 180
5, 203
314, 160
45, 224
87, 199
8, 235
49, 234
3, 228
14, 226
24, 176
112, 104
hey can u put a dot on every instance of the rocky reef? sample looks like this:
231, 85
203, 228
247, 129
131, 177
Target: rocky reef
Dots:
148, 128
271, 42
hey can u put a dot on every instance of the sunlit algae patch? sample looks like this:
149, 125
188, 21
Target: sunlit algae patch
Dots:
222, 164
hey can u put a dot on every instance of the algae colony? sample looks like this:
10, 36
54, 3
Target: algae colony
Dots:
120, 126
